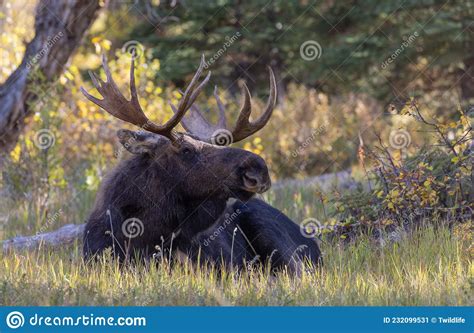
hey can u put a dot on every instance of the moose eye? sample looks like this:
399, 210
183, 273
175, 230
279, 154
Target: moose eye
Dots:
186, 151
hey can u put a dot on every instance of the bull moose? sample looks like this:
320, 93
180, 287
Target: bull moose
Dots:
185, 191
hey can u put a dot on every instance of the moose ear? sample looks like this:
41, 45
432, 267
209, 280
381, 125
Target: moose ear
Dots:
138, 142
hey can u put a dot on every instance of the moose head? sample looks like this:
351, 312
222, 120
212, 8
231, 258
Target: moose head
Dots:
196, 155
175, 176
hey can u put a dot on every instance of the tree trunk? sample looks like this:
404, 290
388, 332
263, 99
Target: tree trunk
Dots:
54, 239
467, 73
467, 80
59, 28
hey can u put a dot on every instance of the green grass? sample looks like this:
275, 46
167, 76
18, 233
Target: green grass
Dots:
428, 268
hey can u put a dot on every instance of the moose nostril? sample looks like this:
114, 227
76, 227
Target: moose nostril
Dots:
250, 180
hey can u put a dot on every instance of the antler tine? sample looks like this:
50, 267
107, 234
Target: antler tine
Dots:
222, 122
113, 100
244, 127
105, 66
89, 96
188, 92
189, 95
95, 79
243, 121
196, 124
130, 111
196, 92
271, 102
133, 87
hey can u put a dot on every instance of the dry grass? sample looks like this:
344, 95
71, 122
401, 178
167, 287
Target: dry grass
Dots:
431, 267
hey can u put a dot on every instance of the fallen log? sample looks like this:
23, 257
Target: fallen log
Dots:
60, 237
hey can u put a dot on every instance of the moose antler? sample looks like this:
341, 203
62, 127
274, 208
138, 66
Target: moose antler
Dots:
130, 110
197, 125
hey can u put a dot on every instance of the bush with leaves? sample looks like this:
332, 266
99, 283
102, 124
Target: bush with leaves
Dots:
434, 184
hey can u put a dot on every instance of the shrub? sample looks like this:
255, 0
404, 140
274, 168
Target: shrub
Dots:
435, 183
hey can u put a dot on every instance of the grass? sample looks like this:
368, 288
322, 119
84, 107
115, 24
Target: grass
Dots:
429, 267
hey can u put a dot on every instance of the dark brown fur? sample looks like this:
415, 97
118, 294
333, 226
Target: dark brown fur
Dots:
172, 190
180, 197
